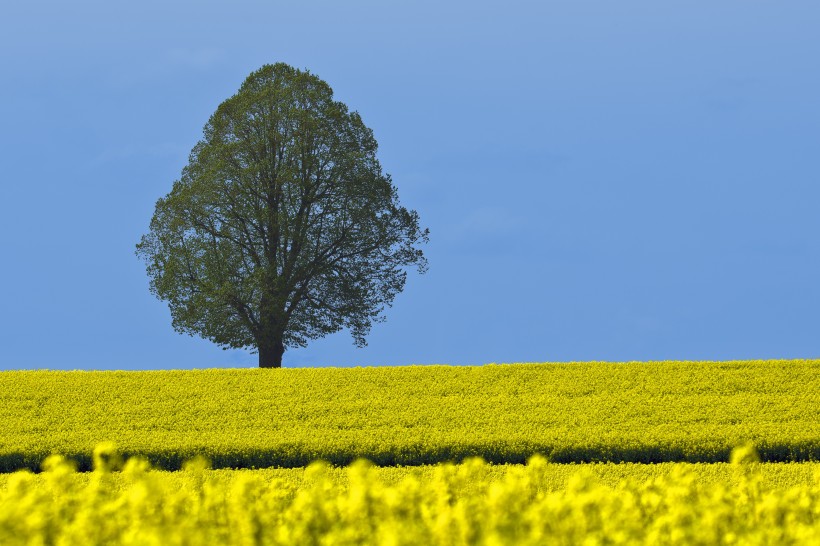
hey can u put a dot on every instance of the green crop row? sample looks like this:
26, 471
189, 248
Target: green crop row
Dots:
468, 504
574, 412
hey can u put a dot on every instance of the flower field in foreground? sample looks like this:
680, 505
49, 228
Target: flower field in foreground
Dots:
471, 503
572, 412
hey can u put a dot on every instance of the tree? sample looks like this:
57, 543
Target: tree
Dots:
282, 227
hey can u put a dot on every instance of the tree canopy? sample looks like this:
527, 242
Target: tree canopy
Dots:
282, 227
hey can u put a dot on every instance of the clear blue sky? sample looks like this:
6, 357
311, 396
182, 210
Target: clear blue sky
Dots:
602, 180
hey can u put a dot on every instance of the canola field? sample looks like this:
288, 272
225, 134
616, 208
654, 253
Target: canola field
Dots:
263, 430
414, 415
472, 503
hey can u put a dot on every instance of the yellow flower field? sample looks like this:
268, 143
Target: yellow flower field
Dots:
467, 504
263, 430
575, 412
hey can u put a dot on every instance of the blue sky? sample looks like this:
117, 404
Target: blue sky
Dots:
602, 180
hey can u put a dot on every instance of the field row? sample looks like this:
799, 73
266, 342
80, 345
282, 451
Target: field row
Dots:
575, 412
468, 504
553, 477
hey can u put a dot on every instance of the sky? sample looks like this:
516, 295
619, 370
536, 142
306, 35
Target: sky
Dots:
615, 181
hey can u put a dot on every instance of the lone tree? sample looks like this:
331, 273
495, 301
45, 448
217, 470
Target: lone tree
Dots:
282, 227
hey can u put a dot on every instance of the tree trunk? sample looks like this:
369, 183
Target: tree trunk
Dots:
270, 354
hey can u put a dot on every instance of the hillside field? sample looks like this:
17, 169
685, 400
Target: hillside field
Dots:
413, 415
262, 431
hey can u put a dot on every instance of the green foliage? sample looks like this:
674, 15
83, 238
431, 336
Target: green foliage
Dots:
282, 227
468, 504
577, 412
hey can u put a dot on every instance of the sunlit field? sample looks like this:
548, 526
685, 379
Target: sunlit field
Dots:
744, 502
497, 454
578, 412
